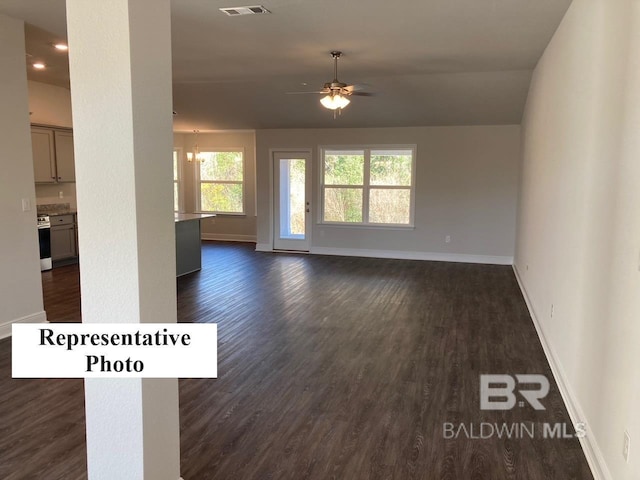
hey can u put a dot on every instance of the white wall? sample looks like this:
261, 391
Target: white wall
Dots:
466, 187
20, 280
223, 227
578, 237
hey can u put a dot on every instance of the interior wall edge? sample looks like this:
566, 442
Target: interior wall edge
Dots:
589, 443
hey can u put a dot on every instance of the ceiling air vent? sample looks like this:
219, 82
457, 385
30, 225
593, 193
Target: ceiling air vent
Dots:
235, 11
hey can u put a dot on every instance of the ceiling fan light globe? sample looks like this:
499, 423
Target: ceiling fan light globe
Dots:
328, 102
342, 101
334, 102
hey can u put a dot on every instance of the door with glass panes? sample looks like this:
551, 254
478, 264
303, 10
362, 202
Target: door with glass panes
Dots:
292, 206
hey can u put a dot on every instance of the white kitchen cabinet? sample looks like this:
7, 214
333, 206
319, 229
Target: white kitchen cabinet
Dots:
63, 237
53, 160
65, 166
44, 163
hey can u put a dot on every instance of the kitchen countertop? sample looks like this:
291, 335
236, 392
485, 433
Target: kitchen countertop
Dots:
179, 217
55, 209
57, 213
184, 217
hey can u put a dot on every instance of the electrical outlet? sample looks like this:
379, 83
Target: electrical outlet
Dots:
625, 448
447, 239
26, 205
61, 194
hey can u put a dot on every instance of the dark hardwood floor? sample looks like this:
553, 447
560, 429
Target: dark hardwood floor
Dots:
329, 368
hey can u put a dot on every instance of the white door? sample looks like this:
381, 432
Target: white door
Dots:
292, 206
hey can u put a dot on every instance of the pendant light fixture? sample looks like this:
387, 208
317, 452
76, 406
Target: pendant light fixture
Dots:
195, 153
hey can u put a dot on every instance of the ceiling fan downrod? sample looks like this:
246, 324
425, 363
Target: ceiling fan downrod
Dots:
336, 55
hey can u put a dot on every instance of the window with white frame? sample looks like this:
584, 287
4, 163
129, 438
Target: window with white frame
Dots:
368, 186
220, 181
176, 180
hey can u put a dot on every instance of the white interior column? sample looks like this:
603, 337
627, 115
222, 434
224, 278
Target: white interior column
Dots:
120, 65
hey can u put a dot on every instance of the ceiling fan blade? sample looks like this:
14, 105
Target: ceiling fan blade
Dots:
356, 87
362, 94
304, 93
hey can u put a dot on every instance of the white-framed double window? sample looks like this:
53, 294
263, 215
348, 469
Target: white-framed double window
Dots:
177, 180
372, 186
220, 181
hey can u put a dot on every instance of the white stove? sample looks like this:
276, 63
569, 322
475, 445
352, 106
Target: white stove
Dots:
44, 237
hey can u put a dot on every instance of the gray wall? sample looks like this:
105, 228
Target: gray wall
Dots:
578, 235
466, 187
20, 280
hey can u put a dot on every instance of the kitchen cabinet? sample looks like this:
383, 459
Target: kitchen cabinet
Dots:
63, 237
53, 160
188, 242
44, 164
65, 164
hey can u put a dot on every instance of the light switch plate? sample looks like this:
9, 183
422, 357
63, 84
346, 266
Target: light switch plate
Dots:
26, 205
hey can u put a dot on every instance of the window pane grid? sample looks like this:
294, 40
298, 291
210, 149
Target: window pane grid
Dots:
176, 181
220, 182
367, 181
383, 196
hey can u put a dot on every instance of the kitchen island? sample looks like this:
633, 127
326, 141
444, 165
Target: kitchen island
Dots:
188, 249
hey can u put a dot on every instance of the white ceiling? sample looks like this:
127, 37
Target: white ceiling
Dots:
430, 62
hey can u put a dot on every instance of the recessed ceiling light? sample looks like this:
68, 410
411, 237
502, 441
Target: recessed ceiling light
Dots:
61, 46
39, 66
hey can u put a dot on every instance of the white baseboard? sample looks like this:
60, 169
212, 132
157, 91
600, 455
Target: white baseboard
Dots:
228, 237
264, 247
589, 444
401, 255
38, 317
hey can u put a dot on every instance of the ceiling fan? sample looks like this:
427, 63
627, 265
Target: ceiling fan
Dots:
336, 93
